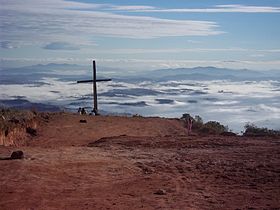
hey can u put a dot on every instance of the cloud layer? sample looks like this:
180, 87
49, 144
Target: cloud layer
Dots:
238, 103
60, 46
34, 21
7, 45
231, 8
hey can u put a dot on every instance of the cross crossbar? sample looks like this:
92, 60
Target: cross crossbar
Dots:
98, 80
94, 88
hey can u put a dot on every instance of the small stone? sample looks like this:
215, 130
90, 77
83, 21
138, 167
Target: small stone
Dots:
83, 121
17, 155
160, 192
31, 131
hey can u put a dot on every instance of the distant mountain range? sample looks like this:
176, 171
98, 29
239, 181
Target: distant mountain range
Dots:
23, 104
211, 73
33, 74
71, 72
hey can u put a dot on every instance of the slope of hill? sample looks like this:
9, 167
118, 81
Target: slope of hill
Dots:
137, 163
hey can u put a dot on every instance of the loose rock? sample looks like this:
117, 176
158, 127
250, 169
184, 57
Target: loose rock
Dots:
31, 131
17, 155
160, 192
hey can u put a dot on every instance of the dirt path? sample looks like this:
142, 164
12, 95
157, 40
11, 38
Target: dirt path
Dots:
66, 129
138, 163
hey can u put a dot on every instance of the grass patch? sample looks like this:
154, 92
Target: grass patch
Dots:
11, 118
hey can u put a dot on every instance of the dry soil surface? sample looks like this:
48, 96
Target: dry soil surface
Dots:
138, 163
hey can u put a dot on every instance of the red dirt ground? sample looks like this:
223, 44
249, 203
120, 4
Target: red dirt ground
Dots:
138, 163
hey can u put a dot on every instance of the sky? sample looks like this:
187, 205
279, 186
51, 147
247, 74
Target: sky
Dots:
141, 35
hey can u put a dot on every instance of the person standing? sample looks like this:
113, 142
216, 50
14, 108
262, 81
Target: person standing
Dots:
189, 124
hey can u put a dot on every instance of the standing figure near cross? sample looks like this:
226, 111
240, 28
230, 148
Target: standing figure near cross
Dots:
94, 88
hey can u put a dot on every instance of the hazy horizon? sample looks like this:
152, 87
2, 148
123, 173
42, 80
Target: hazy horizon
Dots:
88, 66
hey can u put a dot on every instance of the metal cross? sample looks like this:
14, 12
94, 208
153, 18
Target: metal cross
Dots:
94, 88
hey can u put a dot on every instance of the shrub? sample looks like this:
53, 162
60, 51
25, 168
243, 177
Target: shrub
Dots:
211, 127
137, 115
198, 122
253, 130
186, 116
198, 119
215, 127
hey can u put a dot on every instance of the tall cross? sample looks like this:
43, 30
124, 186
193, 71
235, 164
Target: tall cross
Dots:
94, 88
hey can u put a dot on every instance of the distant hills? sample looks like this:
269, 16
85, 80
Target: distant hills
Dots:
72, 72
211, 73
33, 74
23, 104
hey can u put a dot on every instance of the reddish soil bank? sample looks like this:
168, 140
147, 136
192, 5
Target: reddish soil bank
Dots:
138, 163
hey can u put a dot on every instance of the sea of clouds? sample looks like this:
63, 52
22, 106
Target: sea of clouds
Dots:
231, 103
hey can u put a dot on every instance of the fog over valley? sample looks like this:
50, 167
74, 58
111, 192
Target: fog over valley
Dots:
232, 97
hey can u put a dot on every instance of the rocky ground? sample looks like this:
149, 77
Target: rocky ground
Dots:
138, 163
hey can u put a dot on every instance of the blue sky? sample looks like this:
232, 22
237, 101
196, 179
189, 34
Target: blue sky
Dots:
142, 35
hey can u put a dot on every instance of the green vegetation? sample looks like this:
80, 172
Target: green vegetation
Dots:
211, 127
137, 115
216, 128
253, 130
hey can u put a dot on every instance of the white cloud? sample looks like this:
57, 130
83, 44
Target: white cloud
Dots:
183, 50
248, 9
7, 45
60, 46
43, 21
232, 8
128, 7
270, 50
257, 55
